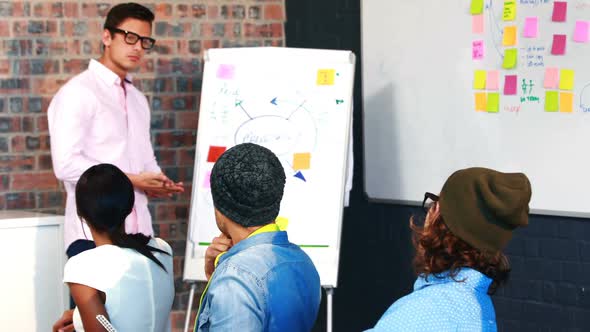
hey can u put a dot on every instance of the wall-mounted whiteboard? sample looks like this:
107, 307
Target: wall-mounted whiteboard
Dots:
296, 102
421, 118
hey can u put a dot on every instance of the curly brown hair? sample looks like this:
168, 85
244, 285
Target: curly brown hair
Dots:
439, 250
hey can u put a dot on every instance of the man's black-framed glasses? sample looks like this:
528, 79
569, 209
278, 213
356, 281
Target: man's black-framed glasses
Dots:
429, 199
131, 38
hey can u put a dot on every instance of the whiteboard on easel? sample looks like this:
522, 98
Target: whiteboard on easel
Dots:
297, 103
505, 85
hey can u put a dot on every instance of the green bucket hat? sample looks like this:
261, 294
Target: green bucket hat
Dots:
482, 206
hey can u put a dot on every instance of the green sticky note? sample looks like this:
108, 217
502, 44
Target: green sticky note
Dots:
509, 12
510, 56
479, 81
551, 101
566, 79
476, 7
493, 102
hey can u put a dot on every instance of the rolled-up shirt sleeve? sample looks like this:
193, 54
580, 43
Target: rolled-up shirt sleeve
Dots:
69, 117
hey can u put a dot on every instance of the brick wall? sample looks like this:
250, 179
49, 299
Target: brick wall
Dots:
44, 43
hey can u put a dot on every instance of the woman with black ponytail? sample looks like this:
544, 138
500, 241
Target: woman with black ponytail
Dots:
127, 278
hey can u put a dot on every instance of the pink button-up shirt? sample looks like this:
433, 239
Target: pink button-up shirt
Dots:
93, 120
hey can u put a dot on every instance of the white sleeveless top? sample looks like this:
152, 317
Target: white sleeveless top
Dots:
139, 293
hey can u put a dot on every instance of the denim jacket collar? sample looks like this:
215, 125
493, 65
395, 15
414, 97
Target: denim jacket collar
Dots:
278, 238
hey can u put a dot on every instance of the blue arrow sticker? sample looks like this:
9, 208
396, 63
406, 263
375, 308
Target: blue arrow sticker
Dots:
300, 176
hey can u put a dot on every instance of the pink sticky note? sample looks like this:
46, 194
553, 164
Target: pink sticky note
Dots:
477, 24
510, 85
551, 78
207, 180
531, 27
477, 51
559, 11
581, 32
226, 72
558, 47
492, 81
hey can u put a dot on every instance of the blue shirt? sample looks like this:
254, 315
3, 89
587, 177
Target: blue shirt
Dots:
443, 304
263, 283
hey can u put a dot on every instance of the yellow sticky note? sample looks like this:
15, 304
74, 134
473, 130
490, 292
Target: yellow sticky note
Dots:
282, 222
301, 161
510, 56
551, 101
481, 101
566, 79
509, 37
326, 77
566, 102
479, 80
509, 12
476, 7
493, 102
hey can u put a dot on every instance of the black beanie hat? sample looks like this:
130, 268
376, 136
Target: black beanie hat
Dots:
482, 206
247, 184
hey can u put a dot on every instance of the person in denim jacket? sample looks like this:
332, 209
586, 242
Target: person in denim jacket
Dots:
459, 256
258, 280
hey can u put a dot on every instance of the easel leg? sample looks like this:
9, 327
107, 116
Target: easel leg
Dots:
329, 293
190, 306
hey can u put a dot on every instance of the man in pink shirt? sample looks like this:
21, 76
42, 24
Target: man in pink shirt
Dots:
98, 116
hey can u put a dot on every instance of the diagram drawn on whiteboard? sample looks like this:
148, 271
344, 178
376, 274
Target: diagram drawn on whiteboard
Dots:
290, 132
294, 124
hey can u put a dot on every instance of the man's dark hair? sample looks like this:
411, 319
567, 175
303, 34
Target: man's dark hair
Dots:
123, 11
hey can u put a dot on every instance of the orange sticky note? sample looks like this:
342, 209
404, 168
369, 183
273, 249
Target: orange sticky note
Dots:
325, 77
566, 102
481, 102
509, 37
301, 161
